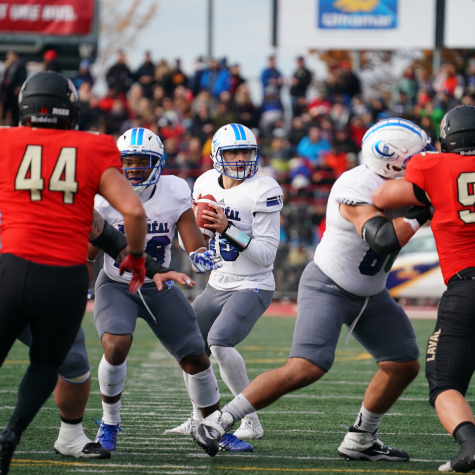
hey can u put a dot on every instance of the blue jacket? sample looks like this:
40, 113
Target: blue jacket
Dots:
221, 81
311, 151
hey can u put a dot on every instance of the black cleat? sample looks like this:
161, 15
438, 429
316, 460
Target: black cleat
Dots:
8, 443
366, 446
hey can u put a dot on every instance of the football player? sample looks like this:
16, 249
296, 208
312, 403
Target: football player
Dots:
167, 202
446, 181
345, 284
246, 223
50, 174
74, 381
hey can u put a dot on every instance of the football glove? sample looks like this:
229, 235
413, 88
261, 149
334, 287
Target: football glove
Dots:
205, 262
136, 265
421, 213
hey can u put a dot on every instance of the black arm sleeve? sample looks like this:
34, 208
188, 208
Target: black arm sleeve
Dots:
111, 241
152, 267
420, 195
381, 236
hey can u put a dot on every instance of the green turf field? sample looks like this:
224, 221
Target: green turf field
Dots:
302, 430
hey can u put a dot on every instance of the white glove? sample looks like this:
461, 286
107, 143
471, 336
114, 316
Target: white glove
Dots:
205, 262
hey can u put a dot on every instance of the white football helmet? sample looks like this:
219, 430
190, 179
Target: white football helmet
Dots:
230, 137
141, 141
390, 143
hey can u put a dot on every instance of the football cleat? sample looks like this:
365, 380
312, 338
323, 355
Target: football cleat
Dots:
463, 462
250, 429
209, 432
367, 446
230, 443
8, 442
107, 435
186, 428
90, 450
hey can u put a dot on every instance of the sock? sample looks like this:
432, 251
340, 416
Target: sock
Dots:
111, 377
464, 432
196, 415
232, 369
111, 413
72, 433
239, 407
203, 388
367, 421
35, 388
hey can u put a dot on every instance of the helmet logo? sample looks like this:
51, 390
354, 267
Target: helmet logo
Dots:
381, 149
443, 133
216, 139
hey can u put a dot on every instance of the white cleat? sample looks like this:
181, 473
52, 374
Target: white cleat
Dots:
250, 429
186, 428
82, 449
446, 467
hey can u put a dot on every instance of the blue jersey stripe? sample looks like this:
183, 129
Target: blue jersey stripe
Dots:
140, 137
236, 131
134, 137
272, 203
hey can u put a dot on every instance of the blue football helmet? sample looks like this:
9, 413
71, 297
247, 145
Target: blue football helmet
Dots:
232, 137
390, 143
138, 142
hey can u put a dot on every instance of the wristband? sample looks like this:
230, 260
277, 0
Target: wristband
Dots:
136, 255
111, 241
414, 223
152, 267
240, 239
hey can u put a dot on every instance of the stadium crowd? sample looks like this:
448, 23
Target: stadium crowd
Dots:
306, 148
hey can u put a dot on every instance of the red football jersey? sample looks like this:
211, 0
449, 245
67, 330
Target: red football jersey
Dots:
449, 180
48, 180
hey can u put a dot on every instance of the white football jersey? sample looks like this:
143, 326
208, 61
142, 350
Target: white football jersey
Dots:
342, 254
257, 194
172, 197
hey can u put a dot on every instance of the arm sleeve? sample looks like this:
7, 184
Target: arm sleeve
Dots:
266, 233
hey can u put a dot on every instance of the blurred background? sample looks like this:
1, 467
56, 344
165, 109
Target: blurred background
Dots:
309, 77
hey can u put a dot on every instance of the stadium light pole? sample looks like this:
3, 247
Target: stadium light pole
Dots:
275, 8
210, 29
439, 35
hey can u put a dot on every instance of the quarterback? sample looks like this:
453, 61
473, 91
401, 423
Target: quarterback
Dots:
345, 284
246, 222
167, 203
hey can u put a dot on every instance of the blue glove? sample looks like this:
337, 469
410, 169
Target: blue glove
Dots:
205, 262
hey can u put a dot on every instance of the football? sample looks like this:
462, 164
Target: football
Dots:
198, 208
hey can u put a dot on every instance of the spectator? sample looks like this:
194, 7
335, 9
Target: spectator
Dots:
272, 111
119, 76
50, 61
235, 79
13, 78
176, 78
407, 85
299, 83
145, 75
246, 113
312, 146
296, 132
271, 76
216, 78
84, 74
349, 82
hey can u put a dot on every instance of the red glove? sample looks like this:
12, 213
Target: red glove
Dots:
136, 265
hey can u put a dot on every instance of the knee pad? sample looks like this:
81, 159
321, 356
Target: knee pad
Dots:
82, 378
203, 388
223, 336
111, 377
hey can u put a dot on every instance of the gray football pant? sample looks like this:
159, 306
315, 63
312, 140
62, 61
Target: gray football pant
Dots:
226, 318
383, 328
174, 322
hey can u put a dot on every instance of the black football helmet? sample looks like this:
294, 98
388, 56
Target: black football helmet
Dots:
49, 100
457, 131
